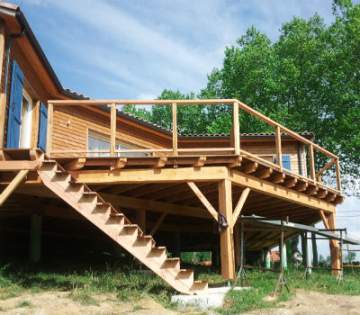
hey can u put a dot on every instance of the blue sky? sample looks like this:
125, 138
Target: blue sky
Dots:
135, 49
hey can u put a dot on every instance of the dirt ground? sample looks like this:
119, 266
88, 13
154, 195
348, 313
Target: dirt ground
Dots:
59, 303
315, 303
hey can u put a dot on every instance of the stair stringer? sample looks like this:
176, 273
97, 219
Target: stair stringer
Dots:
171, 275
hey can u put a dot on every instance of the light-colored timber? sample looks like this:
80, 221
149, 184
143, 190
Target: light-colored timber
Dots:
115, 225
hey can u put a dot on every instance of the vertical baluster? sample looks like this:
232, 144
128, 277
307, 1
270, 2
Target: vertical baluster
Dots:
49, 135
278, 147
113, 130
236, 128
174, 129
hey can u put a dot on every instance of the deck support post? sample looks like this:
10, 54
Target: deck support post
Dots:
315, 255
329, 223
35, 238
226, 233
237, 244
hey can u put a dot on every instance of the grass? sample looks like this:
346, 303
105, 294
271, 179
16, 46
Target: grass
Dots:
125, 281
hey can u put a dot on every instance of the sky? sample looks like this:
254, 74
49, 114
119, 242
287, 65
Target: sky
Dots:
135, 49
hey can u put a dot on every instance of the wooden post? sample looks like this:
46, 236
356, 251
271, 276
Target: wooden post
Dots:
113, 130
278, 147
314, 250
237, 245
174, 129
49, 134
226, 235
329, 223
338, 178
236, 128
3, 93
312, 162
35, 238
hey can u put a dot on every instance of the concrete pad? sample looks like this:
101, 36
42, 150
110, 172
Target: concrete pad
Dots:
211, 298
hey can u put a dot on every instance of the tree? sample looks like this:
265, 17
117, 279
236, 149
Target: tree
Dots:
308, 80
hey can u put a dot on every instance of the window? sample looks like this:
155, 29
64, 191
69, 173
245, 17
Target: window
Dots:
98, 142
286, 161
26, 121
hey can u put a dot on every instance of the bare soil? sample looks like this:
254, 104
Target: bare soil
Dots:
315, 303
60, 303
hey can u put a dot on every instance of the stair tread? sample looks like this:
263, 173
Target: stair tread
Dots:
154, 257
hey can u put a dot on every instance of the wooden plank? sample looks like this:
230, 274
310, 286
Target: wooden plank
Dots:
49, 135
203, 200
280, 192
18, 179
7, 166
312, 162
165, 175
278, 146
119, 164
75, 164
226, 235
240, 204
156, 206
236, 128
174, 129
338, 176
113, 129
144, 102
159, 221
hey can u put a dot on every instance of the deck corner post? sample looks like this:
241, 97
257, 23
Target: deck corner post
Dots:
226, 235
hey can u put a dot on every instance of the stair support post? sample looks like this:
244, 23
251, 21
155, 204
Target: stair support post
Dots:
35, 238
226, 234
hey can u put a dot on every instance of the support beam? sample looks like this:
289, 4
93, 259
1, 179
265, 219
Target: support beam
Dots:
158, 223
35, 238
156, 206
139, 176
280, 192
75, 164
18, 179
226, 235
203, 200
240, 204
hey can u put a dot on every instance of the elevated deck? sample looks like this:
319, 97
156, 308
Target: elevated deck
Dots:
197, 192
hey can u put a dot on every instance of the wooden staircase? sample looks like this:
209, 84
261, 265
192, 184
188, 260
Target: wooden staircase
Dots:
114, 224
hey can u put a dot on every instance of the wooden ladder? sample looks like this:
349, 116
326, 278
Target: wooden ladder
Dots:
115, 225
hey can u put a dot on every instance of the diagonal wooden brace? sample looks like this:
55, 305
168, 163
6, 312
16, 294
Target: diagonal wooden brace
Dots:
18, 179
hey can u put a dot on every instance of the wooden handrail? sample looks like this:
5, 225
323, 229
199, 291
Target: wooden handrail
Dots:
235, 146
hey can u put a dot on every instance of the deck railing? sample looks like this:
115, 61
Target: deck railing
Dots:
175, 150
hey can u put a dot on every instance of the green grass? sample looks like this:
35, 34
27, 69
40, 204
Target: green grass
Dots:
24, 304
125, 281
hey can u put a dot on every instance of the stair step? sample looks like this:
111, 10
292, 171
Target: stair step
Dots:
89, 196
158, 253
75, 187
145, 241
185, 274
171, 263
129, 229
61, 176
49, 165
115, 219
199, 285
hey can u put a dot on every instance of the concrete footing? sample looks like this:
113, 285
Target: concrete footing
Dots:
212, 298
